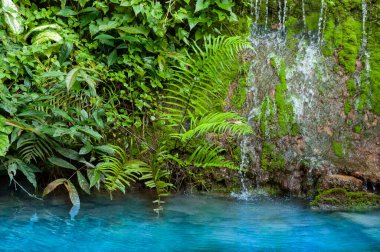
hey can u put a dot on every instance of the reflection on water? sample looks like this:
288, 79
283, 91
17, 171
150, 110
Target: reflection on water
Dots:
195, 222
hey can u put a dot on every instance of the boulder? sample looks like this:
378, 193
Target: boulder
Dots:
342, 181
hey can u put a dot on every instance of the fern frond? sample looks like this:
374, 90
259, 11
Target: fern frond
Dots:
201, 79
206, 156
119, 171
219, 122
32, 146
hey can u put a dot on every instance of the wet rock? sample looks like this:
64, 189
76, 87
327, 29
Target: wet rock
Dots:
347, 182
371, 176
341, 199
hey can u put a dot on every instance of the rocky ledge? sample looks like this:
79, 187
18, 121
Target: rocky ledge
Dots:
341, 199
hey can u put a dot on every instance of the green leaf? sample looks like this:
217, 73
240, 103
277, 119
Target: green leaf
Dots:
28, 171
73, 193
94, 177
90, 82
201, 5
12, 17
89, 131
66, 12
71, 78
4, 144
41, 28
61, 163
104, 37
86, 149
65, 52
52, 185
46, 36
105, 149
82, 181
225, 4
111, 59
135, 30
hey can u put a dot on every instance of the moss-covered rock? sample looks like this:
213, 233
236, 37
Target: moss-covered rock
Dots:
341, 199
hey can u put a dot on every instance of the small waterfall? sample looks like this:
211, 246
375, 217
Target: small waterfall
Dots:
266, 14
363, 50
321, 22
257, 13
279, 13
244, 194
284, 16
303, 14
363, 53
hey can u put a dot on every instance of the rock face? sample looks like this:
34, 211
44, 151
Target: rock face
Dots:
341, 199
347, 182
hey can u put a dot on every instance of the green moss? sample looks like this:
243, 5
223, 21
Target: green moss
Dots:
374, 50
312, 21
266, 117
358, 129
240, 92
350, 44
351, 87
270, 159
338, 149
347, 107
328, 36
339, 198
363, 100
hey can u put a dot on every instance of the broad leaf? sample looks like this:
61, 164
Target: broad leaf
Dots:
4, 144
82, 181
46, 36
71, 78
73, 193
52, 185
62, 163
41, 28
12, 17
201, 5
28, 171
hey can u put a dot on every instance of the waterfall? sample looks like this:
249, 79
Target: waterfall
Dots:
303, 14
279, 13
363, 50
257, 13
320, 22
266, 14
363, 53
284, 16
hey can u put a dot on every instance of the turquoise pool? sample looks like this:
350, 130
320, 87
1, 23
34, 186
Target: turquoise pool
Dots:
189, 223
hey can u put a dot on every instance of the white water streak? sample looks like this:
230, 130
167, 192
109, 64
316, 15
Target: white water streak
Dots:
284, 16
303, 14
266, 14
320, 22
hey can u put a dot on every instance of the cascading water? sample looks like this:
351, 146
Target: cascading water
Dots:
266, 14
310, 87
321, 21
303, 14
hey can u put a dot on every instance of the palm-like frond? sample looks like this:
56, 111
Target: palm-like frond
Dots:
202, 78
218, 122
32, 146
119, 171
206, 156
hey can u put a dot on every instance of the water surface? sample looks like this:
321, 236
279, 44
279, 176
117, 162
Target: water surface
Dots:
189, 223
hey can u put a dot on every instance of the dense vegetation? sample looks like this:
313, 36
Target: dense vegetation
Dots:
107, 93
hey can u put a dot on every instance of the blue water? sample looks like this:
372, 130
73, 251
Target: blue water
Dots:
189, 223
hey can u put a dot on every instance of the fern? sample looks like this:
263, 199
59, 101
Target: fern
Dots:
119, 171
33, 146
202, 78
219, 122
206, 156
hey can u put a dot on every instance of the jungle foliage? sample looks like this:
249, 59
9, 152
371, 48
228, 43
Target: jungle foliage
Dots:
107, 93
